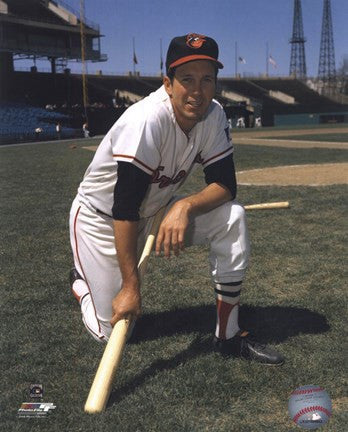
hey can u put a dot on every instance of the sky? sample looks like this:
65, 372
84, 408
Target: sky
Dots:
252, 24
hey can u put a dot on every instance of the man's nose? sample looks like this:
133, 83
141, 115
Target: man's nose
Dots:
197, 89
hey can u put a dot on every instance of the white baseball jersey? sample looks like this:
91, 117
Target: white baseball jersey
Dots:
148, 136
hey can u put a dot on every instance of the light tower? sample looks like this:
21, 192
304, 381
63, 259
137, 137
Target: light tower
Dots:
298, 57
83, 58
327, 69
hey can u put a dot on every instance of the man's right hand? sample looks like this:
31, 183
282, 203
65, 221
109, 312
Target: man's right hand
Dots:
126, 304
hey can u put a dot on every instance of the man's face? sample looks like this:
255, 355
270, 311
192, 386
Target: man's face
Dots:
191, 91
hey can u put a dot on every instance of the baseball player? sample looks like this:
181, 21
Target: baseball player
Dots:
137, 169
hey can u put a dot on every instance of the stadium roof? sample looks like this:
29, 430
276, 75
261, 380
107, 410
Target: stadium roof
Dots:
46, 28
44, 13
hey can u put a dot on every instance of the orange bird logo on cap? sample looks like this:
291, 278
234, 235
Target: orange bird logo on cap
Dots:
194, 40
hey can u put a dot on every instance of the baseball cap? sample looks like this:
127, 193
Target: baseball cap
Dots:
193, 46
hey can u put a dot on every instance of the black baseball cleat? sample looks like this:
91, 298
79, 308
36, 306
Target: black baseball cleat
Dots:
73, 276
243, 345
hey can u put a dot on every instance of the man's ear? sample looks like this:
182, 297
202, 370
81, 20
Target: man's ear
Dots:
168, 85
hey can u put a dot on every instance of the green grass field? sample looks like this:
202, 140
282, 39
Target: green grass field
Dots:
294, 298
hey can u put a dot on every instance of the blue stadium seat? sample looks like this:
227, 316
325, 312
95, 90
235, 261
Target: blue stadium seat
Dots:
18, 122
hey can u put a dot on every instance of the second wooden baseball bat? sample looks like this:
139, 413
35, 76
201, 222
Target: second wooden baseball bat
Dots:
271, 205
102, 383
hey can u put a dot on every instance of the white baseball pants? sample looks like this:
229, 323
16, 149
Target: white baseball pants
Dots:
93, 245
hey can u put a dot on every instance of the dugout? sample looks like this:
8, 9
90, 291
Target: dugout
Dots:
310, 118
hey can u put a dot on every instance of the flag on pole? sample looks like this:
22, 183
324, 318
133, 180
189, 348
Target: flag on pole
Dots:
242, 60
272, 61
135, 60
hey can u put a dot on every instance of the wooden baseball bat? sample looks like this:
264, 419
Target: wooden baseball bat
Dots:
263, 206
102, 383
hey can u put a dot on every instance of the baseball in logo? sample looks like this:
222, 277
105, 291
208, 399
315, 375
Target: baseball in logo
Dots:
195, 40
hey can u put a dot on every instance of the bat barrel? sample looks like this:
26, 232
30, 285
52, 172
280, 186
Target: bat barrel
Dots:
101, 387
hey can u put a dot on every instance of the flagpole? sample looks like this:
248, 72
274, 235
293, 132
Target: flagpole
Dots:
267, 55
161, 58
236, 59
133, 56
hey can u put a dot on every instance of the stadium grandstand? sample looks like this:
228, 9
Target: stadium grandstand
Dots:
47, 29
288, 100
41, 29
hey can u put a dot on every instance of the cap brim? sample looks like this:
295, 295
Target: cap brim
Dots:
195, 57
